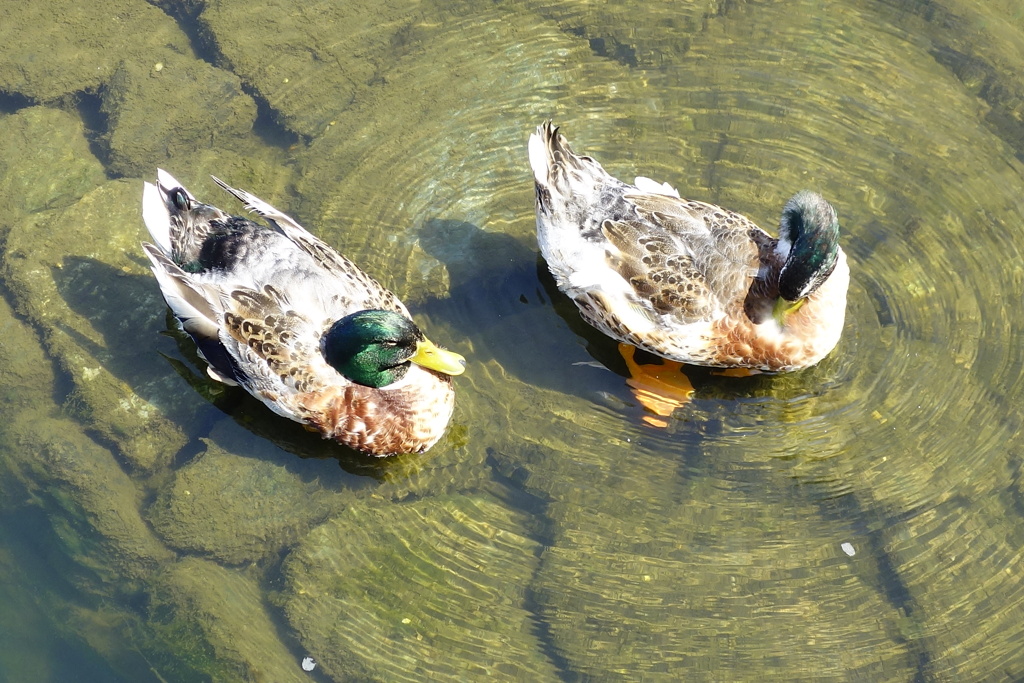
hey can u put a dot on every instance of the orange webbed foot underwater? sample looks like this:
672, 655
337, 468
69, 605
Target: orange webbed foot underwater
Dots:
659, 388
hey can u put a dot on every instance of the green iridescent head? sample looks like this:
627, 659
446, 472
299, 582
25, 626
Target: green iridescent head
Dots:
375, 348
809, 242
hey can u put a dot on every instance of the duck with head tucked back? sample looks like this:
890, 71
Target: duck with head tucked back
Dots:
685, 280
296, 324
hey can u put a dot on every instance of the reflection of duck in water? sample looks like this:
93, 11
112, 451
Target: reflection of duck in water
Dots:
299, 326
685, 280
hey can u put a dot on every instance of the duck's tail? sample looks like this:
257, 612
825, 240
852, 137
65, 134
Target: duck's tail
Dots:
558, 172
550, 158
546, 146
177, 221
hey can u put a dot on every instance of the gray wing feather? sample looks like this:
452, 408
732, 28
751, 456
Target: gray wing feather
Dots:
324, 255
190, 301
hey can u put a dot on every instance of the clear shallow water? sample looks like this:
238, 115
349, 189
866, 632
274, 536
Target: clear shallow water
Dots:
160, 527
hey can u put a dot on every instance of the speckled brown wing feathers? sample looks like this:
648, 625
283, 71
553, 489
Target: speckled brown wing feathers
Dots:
688, 259
277, 342
658, 272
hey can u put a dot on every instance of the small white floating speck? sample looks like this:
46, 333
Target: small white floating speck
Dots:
308, 663
407, 620
848, 549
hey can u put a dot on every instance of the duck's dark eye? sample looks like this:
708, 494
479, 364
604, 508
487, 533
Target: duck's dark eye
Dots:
180, 199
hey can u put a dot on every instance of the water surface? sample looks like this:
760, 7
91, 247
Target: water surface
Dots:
861, 519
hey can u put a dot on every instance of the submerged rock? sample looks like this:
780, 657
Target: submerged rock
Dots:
982, 44
157, 117
75, 274
93, 504
216, 620
669, 590
324, 55
431, 590
27, 384
45, 162
238, 508
62, 46
26, 373
614, 31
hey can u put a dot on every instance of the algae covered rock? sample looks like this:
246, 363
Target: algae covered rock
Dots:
163, 113
98, 525
982, 44
76, 275
215, 619
26, 385
45, 162
431, 590
673, 590
62, 46
310, 61
26, 374
238, 507
959, 565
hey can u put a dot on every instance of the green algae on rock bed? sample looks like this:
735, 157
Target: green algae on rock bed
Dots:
149, 122
711, 579
45, 162
75, 275
424, 590
612, 30
238, 508
60, 47
311, 61
27, 378
980, 43
99, 525
217, 622
47, 461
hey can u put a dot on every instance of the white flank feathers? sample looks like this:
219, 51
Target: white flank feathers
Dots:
645, 184
538, 159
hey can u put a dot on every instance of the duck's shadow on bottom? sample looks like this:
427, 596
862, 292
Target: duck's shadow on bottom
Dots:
503, 297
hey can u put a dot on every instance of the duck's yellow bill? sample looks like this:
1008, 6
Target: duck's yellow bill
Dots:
434, 358
783, 308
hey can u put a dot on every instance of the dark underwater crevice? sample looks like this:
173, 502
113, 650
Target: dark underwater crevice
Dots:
89, 107
11, 103
267, 126
512, 479
63, 385
642, 54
